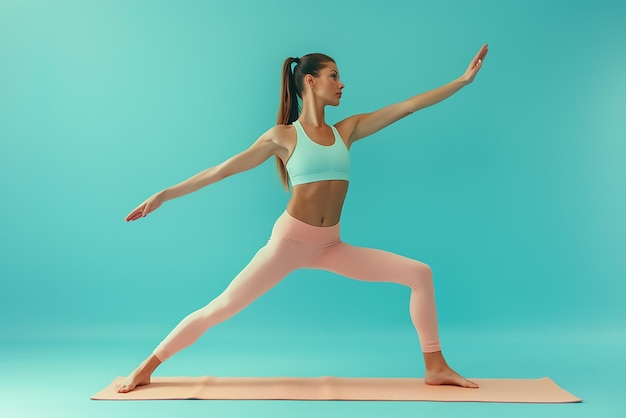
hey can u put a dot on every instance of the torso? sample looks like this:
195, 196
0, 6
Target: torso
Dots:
318, 203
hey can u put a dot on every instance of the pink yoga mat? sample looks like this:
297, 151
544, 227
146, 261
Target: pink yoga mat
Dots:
339, 388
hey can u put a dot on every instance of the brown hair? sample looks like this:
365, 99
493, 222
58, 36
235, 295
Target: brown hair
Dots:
292, 86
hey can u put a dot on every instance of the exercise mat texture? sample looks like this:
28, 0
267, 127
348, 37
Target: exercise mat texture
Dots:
542, 390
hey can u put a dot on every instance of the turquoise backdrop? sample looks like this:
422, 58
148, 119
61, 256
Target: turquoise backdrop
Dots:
513, 191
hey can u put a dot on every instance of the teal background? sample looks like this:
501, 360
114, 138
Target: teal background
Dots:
513, 191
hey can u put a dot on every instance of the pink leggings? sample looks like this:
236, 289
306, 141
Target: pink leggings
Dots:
294, 244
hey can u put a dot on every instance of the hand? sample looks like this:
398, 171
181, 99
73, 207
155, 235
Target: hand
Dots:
475, 65
151, 204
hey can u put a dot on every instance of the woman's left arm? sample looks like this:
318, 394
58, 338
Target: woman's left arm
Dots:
366, 124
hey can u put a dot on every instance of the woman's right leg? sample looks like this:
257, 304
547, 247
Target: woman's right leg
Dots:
268, 267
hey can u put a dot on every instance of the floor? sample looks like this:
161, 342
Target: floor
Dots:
56, 378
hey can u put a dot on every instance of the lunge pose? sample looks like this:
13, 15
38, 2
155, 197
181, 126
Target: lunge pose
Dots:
314, 164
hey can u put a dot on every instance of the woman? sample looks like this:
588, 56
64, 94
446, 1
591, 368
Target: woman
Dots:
313, 162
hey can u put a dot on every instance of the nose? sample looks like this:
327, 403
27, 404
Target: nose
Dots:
341, 85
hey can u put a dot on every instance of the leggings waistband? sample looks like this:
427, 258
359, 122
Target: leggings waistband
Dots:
288, 227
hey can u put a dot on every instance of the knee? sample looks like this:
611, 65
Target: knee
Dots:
421, 276
220, 308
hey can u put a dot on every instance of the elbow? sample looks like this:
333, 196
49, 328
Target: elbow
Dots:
221, 171
408, 108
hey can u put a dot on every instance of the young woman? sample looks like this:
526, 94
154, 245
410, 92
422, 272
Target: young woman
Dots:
313, 161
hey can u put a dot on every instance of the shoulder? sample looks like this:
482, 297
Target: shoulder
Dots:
281, 130
281, 135
283, 139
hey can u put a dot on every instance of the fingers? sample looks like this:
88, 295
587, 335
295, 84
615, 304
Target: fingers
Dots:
133, 216
144, 209
483, 51
137, 213
477, 62
480, 56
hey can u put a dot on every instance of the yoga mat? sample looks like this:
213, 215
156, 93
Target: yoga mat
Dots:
339, 388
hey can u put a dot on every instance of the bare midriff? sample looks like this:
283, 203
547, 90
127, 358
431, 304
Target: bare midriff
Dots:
318, 203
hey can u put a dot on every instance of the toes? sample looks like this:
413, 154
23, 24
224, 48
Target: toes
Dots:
122, 389
471, 385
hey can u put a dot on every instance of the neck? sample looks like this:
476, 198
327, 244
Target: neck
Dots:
312, 112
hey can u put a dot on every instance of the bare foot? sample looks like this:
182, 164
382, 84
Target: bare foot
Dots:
447, 376
137, 378
141, 375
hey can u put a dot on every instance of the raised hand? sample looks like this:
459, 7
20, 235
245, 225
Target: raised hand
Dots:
151, 204
475, 65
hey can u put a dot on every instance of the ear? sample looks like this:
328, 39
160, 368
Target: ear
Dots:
309, 80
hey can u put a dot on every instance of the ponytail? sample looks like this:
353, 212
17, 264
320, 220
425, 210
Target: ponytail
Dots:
288, 111
291, 89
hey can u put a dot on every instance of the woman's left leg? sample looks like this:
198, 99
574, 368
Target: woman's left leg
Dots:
375, 265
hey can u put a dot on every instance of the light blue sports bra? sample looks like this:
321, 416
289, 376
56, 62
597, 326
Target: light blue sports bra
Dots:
311, 162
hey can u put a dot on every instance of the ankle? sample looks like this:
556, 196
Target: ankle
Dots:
435, 362
149, 365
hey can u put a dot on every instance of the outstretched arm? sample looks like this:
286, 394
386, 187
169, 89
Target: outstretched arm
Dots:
366, 124
261, 150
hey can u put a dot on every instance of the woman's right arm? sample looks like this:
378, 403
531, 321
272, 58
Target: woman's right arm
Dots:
262, 149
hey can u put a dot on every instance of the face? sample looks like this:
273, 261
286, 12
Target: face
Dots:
328, 85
